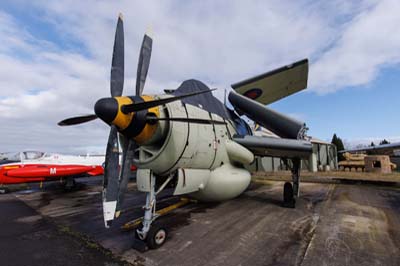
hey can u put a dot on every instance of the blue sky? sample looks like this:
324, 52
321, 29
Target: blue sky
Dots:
353, 113
55, 61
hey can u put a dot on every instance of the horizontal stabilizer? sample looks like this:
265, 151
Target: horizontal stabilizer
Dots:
276, 147
276, 84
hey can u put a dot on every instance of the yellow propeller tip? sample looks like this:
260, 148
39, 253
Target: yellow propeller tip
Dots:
149, 31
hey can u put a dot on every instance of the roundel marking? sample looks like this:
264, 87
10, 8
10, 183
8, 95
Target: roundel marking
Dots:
253, 93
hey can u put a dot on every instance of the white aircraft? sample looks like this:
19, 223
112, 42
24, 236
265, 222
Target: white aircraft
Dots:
36, 166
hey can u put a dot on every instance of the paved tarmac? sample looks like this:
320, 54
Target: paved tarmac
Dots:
28, 239
333, 224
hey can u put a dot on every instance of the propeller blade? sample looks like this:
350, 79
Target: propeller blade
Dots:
134, 107
129, 148
143, 64
117, 65
110, 181
77, 120
152, 119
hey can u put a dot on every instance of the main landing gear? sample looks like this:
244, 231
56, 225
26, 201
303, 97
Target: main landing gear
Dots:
69, 184
291, 192
288, 197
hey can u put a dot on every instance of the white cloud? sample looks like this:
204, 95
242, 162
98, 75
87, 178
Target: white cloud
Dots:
220, 43
369, 42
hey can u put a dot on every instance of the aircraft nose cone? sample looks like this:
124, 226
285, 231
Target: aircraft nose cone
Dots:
106, 109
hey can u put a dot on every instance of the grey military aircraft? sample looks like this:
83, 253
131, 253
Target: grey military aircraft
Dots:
391, 149
188, 140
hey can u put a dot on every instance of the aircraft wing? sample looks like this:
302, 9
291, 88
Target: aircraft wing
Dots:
276, 84
276, 147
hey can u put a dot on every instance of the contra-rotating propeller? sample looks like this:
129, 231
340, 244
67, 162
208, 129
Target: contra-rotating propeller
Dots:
115, 109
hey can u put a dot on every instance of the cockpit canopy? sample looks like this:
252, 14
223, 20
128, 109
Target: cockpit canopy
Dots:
31, 155
22, 156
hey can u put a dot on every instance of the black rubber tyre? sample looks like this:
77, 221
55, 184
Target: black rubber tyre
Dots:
156, 237
70, 185
288, 196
